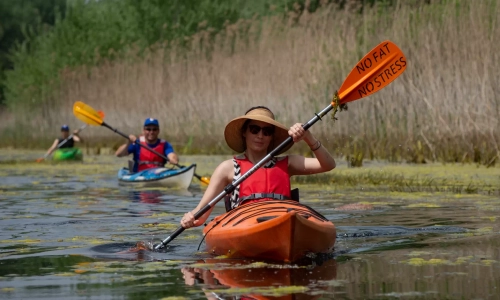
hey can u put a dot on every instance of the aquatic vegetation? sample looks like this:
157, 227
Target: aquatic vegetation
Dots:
65, 274
407, 294
420, 261
221, 263
88, 240
427, 205
50, 229
161, 215
265, 291
488, 262
419, 253
208, 266
459, 180
333, 283
147, 269
417, 261
190, 237
492, 218
24, 241
162, 226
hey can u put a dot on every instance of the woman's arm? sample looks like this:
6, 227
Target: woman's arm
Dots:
222, 176
299, 165
53, 147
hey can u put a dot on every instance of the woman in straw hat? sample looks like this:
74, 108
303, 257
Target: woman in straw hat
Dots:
255, 134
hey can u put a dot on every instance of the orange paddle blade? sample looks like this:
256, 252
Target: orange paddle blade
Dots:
373, 72
87, 114
40, 159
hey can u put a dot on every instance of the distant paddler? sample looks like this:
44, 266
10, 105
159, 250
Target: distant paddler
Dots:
143, 158
66, 141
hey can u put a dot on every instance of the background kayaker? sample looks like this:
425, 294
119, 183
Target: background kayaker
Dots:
70, 143
256, 134
144, 159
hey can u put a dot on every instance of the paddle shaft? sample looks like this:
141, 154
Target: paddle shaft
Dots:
140, 145
230, 187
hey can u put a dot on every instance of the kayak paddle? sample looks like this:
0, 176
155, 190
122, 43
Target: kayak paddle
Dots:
373, 72
69, 137
60, 144
88, 115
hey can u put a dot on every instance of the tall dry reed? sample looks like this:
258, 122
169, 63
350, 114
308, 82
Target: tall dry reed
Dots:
445, 107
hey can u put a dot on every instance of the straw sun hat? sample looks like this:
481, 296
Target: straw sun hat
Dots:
234, 136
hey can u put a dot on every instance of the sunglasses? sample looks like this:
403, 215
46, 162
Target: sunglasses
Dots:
266, 131
151, 128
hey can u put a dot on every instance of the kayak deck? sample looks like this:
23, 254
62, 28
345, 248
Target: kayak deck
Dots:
275, 230
63, 154
158, 177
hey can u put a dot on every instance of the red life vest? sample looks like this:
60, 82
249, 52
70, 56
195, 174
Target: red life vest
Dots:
272, 183
148, 159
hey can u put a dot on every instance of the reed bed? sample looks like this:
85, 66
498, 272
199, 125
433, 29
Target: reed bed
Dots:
392, 182
446, 107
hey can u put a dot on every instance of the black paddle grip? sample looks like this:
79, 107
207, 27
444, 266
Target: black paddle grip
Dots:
201, 212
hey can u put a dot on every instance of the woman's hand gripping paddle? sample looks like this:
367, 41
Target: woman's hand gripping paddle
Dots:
100, 113
88, 115
373, 72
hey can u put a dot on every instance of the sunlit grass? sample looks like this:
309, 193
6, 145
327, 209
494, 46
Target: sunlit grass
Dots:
457, 179
444, 108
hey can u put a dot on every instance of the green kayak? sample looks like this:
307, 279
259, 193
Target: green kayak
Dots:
67, 154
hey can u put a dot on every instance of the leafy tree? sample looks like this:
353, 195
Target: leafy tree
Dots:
20, 19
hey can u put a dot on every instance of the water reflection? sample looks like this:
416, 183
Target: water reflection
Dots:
239, 279
155, 196
64, 228
150, 197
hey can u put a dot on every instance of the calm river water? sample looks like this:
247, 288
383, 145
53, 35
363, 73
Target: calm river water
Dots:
63, 227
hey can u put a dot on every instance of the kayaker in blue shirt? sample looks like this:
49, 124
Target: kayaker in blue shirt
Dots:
144, 159
64, 135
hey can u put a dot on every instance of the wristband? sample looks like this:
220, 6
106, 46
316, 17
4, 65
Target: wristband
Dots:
317, 147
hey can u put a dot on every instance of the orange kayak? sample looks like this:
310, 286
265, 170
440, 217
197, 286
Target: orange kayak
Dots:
274, 230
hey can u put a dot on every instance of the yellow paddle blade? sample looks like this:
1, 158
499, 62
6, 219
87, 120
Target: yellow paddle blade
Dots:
205, 180
87, 114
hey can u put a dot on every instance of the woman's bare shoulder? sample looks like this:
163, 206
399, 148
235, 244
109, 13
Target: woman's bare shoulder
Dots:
227, 164
225, 169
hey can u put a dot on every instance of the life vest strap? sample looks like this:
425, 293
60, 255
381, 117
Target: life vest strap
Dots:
142, 162
294, 196
264, 196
